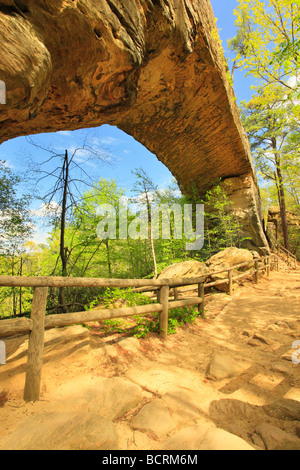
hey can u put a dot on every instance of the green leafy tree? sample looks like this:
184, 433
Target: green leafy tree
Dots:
268, 123
15, 229
222, 228
65, 173
266, 31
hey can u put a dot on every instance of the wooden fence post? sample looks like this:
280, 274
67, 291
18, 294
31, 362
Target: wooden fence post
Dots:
256, 272
230, 283
36, 345
164, 315
201, 292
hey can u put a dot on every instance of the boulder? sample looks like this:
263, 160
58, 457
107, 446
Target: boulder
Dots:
226, 259
223, 366
231, 256
185, 269
275, 438
284, 408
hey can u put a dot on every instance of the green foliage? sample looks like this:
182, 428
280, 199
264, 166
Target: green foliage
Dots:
180, 317
124, 296
89, 256
143, 325
267, 47
273, 131
267, 40
15, 225
177, 319
222, 227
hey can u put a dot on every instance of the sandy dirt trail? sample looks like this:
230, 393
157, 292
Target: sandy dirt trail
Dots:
255, 328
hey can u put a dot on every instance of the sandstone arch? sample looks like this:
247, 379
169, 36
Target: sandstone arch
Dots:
153, 68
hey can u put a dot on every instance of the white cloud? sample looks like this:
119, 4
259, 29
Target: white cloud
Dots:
91, 156
39, 236
109, 140
65, 133
6, 163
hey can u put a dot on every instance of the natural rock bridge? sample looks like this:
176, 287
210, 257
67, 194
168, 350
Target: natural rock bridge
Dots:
153, 68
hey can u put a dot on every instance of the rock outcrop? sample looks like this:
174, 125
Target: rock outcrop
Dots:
274, 225
227, 259
152, 68
230, 257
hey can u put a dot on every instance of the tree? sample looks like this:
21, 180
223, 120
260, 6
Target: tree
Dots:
267, 121
267, 41
288, 54
267, 46
87, 215
15, 228
14, 220
65, 173
144, 187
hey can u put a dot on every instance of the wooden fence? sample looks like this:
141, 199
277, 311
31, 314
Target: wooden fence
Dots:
39, 321
289, 257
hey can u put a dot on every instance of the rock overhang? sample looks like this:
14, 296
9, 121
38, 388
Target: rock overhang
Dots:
152, 68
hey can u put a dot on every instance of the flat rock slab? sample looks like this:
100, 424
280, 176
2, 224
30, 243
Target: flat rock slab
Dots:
205, 437
114, 397
63, 431
223, 367
110, 398
183, 405
154, 417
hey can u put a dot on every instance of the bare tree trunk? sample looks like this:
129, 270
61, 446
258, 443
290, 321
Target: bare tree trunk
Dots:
282, 199
108, 258
63, 249
20, 291
151, 235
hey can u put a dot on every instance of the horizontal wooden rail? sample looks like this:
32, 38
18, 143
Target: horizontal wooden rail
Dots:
15, 281
67, 319
15, 327
185, 302
291, 258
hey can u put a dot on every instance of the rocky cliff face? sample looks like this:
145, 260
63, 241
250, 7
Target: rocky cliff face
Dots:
274, 227
154, 68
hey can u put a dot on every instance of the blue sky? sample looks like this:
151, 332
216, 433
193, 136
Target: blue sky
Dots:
125, 153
